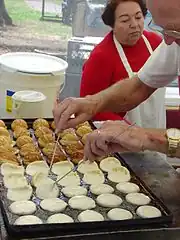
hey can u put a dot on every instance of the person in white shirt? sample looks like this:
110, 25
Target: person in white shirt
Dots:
161, 69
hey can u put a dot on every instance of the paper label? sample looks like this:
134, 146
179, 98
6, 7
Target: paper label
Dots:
9, 101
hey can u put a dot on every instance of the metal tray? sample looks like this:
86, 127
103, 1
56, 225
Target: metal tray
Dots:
32, 231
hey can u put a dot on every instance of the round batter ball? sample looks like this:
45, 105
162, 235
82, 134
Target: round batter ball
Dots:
138, 199
28, 220
9, 169
109, 200
87, 166
107, 164
62, 167
119, 174
81, 203
18, 194
90, 216
148, 212
23, 207
94, 177
119, 214
71, 191
37, 167
101, 188
127, 187
47, 189
53, 205
60, 218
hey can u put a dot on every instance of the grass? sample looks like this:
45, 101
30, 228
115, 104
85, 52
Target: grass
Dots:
22, 14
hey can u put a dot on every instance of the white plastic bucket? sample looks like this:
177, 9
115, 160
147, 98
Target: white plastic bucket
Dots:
21, 71
28, 104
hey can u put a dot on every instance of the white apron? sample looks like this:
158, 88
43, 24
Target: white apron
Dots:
151, 113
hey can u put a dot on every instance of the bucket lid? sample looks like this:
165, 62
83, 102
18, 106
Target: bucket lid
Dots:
32, 63
29, 96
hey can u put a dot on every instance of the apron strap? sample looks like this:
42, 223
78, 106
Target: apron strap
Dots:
148, 45
123, 56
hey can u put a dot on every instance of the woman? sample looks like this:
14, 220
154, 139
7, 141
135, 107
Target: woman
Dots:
121, 54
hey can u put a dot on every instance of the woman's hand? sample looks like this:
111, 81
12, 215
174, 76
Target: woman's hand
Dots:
83, 109
114, 136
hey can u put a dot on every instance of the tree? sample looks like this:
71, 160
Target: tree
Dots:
5, 19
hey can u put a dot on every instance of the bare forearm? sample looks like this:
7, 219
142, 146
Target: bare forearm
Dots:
123, 96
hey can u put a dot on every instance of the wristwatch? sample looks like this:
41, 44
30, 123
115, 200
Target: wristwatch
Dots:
173, 136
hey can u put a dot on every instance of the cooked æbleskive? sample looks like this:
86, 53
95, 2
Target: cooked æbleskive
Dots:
39, 132
83, 130
53, 125
66, 131
5, 141
69, 137
20, 131
19, 123
4, 132
40, 122
86, 123
32, 157
23, 140
8, 148
45, 139
9, 157
2, 124
49, 151
28, 148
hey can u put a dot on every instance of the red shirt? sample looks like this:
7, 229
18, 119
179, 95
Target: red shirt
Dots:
104, 67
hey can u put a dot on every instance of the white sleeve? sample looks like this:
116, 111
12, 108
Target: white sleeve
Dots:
162, 67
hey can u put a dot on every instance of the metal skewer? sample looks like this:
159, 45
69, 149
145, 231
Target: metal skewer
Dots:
54, 152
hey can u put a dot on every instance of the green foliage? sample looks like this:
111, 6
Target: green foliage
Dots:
22, 14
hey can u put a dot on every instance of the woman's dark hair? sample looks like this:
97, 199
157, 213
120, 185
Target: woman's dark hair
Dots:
108, 15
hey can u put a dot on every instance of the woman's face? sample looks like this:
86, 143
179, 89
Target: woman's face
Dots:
129, 23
